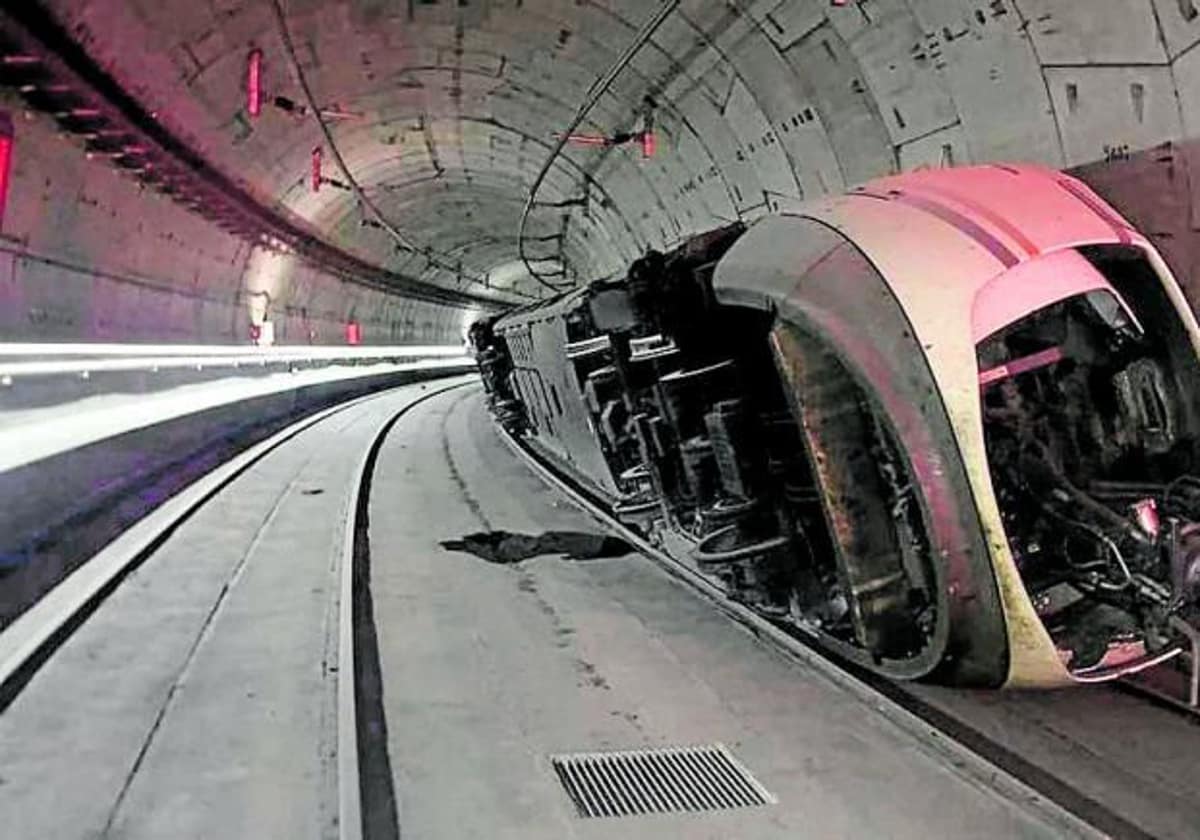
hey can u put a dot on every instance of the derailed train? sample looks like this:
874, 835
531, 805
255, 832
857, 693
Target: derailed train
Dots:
948, 423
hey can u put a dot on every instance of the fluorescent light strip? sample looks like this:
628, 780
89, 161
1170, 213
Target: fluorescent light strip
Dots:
160, 363
47, 431
319, 351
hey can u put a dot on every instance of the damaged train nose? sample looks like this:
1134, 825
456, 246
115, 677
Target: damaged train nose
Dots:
923, 423
1092, 439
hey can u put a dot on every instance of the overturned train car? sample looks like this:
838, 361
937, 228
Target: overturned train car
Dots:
947, 423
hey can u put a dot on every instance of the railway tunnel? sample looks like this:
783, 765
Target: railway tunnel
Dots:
269, 569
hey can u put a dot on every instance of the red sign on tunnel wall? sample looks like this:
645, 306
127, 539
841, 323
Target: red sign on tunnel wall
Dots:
353, 333
254, 82
649, 144
6, 152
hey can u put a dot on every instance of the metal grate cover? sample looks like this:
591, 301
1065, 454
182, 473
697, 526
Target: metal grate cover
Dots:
658, 781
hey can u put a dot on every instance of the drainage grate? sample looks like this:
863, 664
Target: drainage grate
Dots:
632, 782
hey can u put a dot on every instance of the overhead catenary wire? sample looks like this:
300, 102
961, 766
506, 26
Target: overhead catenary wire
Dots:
597, 90
365, 204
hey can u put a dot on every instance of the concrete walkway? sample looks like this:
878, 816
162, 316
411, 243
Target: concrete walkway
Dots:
199, 700
489, 669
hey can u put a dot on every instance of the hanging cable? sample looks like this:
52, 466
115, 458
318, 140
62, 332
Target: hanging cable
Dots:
597, 90
365, 204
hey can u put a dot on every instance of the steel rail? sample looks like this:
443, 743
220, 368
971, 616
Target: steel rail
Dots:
367, 806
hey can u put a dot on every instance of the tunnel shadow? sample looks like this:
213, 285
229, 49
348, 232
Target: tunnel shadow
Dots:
506, 548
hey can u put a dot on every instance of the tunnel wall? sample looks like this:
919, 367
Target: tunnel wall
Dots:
786, 100
1155, 190
766, 104
762, 105
88, 254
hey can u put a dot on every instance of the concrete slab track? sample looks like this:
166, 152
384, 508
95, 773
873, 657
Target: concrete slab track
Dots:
199, 700
488, 669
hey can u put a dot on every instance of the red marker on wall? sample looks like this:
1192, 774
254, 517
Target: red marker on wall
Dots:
254, 82
6, 155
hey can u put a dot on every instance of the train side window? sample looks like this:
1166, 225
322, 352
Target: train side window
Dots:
557, 404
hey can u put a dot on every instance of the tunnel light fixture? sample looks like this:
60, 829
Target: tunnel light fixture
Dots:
589, 139
254, 82
6, 154
317, 154
646, 138
333, 111
337, 112
100, 354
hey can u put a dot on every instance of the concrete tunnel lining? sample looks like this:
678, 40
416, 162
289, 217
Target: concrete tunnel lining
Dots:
761, 105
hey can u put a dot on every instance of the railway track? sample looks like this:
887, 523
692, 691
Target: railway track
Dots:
366, 794
986, 735
365, 801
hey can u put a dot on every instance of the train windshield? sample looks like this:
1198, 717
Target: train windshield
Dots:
1076, 327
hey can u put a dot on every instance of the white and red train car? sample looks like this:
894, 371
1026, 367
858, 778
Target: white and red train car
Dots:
948, 423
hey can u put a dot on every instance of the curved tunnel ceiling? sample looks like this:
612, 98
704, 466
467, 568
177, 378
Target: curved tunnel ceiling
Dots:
455, 105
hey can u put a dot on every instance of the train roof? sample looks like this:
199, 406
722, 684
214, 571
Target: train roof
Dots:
1008, 231
938, 239
1012, 213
